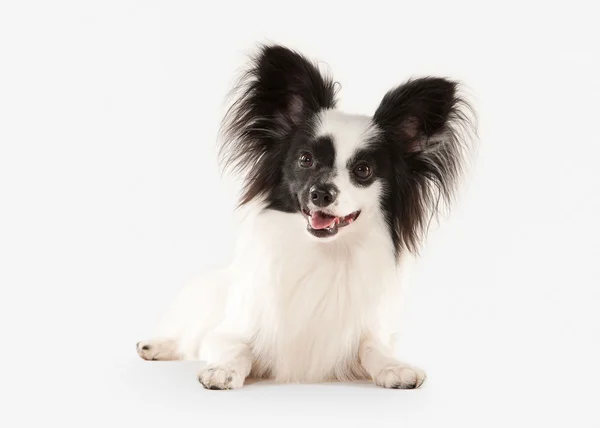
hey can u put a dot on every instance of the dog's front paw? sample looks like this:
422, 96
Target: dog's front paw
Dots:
221, 377
400, 376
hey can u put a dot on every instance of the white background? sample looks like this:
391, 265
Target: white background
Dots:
110, 199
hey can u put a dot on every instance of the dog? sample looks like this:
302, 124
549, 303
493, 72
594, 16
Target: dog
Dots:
333, 206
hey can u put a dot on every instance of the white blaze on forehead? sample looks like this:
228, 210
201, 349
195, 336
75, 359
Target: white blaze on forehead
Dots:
350, 133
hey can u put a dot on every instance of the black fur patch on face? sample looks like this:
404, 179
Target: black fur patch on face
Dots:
299, 179
375, 157
277, 100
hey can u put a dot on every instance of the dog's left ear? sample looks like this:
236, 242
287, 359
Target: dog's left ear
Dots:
427, 124
418, 110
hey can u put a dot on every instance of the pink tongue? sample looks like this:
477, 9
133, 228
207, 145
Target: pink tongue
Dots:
321, 221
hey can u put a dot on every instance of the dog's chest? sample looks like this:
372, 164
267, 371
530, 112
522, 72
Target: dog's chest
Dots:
311, 314
308, 303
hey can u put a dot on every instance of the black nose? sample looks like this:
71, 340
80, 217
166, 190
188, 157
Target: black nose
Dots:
323, 195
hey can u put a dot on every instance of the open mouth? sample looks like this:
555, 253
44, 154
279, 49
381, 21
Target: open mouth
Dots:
323, 225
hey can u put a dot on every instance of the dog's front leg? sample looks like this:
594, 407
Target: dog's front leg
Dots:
378, 361
229, 361
226, 349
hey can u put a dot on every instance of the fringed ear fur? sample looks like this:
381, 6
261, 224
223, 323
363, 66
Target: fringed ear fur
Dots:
429, 124
279, 90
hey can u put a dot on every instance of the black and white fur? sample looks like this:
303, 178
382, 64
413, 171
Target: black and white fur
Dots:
334, 205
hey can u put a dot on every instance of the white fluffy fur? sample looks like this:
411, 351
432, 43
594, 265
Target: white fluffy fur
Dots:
292, 307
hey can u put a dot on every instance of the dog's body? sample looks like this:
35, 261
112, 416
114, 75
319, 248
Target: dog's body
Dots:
331, 204
301, 307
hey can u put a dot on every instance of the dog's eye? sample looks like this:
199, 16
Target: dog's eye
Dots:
306, 160
363, 171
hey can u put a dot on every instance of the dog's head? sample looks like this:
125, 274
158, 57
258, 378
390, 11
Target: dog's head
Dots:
301, 155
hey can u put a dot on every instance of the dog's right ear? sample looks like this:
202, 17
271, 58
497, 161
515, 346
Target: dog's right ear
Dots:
287, 87
279, 90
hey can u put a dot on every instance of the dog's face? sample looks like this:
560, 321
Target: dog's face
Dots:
336, 168
302, 155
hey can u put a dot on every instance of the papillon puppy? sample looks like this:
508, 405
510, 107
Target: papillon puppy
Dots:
333, 206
